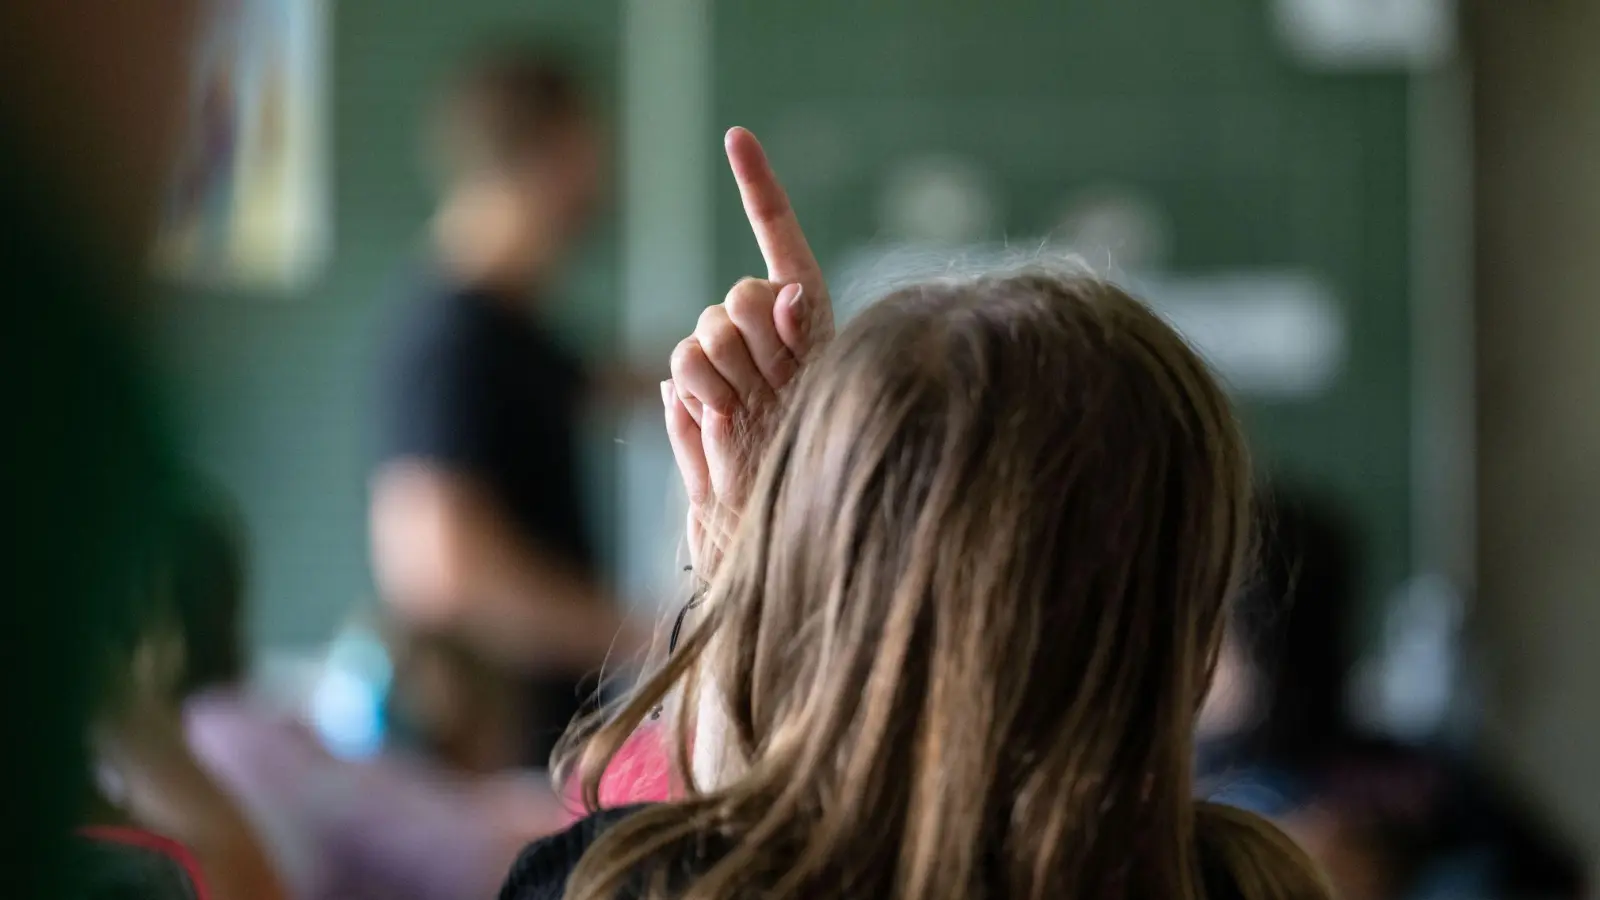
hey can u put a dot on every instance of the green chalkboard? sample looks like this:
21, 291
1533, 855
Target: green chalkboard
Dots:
1255, 162
276, 389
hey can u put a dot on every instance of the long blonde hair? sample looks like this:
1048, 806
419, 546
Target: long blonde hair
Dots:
967, 620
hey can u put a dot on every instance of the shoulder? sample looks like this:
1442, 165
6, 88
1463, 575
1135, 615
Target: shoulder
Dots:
541, 870
441, 317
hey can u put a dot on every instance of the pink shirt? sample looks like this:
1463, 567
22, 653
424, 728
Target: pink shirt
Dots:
641, 772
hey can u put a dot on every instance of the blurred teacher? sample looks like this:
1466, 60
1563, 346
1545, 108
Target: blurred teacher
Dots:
481, 546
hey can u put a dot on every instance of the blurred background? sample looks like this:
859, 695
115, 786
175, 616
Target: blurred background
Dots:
1379, 220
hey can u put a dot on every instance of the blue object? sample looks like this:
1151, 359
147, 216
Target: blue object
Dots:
347, 705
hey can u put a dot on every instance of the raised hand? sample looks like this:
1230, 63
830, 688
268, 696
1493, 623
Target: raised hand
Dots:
783, 245
727, 374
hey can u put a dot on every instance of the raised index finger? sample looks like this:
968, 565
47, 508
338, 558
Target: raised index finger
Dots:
783, 245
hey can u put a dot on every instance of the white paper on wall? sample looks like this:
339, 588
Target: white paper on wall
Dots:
1367, 34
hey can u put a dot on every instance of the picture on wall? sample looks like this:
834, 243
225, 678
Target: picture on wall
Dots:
250, 205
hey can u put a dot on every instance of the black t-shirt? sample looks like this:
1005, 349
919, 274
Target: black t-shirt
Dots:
543, 868
475, 385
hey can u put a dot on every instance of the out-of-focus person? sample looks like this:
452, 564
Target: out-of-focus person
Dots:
1387, 819
91, 114
482, 548
148, 777
392, 828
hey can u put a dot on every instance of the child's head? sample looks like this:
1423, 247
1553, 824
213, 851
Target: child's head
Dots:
520, 148
207, 584
190, 630
973, 604
988, 490
1292, 643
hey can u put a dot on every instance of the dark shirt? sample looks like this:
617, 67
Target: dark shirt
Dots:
542, 870
477, 386
83, 470
1447, 828
131, 864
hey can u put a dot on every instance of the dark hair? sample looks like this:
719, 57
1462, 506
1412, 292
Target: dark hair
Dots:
1297, 624
207, 578
503, 106
190, 590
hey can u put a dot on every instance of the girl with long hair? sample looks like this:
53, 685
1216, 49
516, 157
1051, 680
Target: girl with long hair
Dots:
966, 568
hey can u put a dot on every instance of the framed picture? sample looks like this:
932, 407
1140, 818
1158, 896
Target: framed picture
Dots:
250, 203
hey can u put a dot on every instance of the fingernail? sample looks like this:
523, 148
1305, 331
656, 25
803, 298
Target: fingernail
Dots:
790, 296
666, 392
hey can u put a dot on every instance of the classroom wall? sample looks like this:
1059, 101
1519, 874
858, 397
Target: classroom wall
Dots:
274, 387
1259, 162
1537, 75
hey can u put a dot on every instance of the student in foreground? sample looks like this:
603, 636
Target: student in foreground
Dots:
965, 586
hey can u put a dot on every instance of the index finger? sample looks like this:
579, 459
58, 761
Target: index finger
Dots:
783, 244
